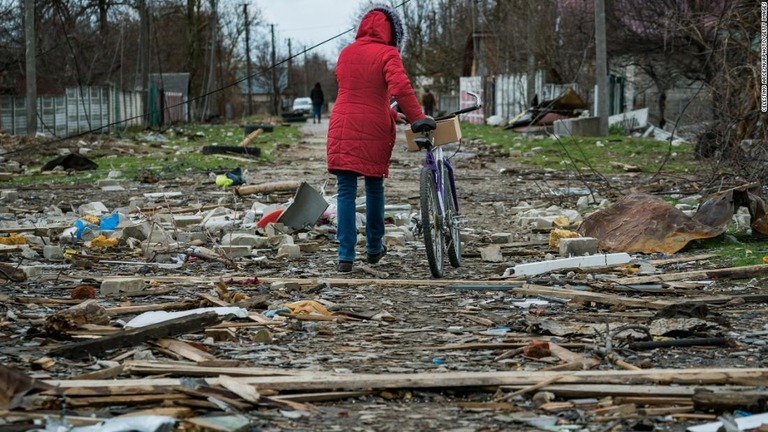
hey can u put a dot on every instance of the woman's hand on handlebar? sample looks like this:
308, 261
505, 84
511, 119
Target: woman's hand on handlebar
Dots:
401, 119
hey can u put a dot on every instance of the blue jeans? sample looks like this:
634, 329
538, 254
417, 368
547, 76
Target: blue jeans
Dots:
316, 108
346, 186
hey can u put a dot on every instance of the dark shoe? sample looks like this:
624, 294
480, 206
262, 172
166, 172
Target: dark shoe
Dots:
374, 258
344, 267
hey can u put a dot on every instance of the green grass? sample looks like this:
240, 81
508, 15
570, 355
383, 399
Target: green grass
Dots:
181, 153
749, 250
602, 154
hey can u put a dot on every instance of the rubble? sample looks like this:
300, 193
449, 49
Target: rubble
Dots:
251, 327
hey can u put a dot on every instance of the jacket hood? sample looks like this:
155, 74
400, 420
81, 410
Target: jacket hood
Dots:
382, 24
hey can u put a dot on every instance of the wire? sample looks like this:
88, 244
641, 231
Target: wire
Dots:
191, 100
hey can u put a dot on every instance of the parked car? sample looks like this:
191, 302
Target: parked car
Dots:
302, 105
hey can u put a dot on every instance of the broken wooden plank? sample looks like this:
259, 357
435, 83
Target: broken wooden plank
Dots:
588, 296
280, 186
653, 378
177, 368
721, 273
185, 350
132, 337
314, 281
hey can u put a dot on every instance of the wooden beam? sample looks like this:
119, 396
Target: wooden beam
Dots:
94, 347
588, 296
323, 381
722, 273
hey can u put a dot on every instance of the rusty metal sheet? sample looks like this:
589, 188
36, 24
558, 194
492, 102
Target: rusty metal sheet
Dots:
644, 223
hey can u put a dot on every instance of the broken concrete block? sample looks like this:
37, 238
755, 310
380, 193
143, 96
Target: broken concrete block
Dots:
395, 239
280, 240
115, 285
243, 239
137, 231
289, 251
186, 237
28, 253
183, 221
578, 246
502, 238
491, 253
556, 235
587, 200
93, 209
498, 208
34, 240
276, 229
53, 253
309, 247
546, 222
579, 126
9, 195
233, 251
32, 271
219, 223
159, 252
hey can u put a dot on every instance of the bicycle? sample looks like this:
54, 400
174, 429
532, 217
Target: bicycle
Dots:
441, 222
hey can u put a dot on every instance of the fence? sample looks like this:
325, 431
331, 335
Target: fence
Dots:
84, 109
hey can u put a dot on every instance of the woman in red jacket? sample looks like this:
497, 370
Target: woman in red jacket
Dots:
361, 133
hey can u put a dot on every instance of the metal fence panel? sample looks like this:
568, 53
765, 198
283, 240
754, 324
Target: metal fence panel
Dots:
79, 110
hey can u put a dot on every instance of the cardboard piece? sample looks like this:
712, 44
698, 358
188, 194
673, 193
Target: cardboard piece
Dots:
447, 131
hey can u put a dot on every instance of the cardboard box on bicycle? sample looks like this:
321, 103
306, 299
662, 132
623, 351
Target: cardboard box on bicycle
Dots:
447, 131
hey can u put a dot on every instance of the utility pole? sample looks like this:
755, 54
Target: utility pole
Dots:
248, 58
601, 68
274, 72
290, 64
531, 51
210, 98
144, 56
306, 73
31, 68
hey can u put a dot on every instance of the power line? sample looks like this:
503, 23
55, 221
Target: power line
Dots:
205, 95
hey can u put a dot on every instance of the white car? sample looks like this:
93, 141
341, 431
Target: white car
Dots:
302, 105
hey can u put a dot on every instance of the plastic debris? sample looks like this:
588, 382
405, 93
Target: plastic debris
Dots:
154, 317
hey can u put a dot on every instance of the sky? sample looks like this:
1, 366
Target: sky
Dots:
309, 22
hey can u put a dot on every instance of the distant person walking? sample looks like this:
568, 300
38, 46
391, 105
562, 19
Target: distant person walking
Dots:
317, 102
429, 102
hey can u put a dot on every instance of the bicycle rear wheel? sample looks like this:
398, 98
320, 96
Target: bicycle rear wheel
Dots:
452, 230
430, 222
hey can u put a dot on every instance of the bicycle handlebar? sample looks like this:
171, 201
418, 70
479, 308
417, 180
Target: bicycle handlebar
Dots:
478, 104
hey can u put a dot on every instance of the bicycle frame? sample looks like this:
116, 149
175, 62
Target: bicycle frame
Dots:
432, 156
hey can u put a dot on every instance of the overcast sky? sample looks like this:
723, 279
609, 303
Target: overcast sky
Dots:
309, 22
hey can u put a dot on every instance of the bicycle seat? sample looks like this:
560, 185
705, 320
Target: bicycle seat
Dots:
423, 125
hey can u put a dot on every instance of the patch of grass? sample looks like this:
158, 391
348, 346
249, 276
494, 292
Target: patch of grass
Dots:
749, 250
603, 154
178, 151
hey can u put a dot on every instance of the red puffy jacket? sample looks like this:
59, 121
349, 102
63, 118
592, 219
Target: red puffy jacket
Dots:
361, 133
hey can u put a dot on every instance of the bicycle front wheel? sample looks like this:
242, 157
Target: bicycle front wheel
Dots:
452, 230
430, 222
